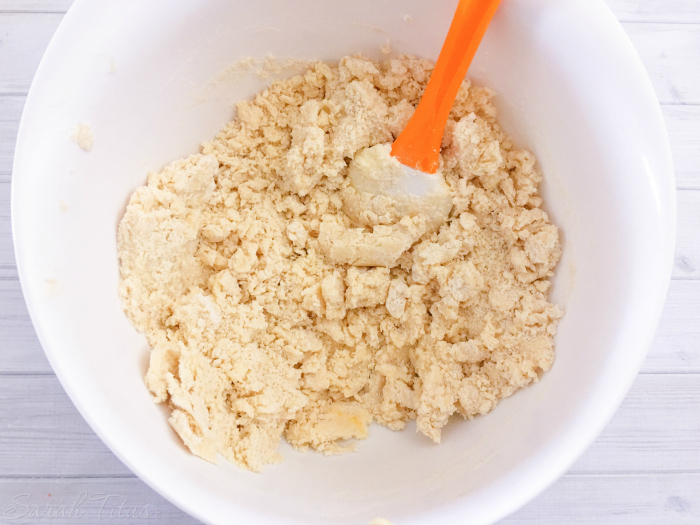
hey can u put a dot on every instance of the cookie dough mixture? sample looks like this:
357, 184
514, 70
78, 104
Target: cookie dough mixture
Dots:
280, 300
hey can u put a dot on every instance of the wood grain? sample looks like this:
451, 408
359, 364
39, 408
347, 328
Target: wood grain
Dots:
20, 351
632, 499
627, 499
24, 39
35, 6
687, 258
676, 346
656, 429
670, 54
7, 255
10, 113
87, 501
44, 435
673, 11
683, 125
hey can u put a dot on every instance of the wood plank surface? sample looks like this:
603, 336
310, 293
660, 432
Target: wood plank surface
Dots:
7, 254
627, 499
11, 107
29, 501
656, 11
35, 6
24, 38
657, 429
670, 54
676, 346
683, 125
687, 258
43, 434
20, 351
669, 11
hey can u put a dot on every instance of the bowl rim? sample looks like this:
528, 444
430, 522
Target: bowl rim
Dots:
560, 458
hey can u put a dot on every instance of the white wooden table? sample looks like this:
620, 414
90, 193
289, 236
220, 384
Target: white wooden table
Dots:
643, 469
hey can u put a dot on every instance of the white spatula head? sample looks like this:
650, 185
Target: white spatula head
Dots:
375, 171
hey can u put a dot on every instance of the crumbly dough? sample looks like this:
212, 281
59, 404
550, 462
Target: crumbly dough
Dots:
83, 137
273, 309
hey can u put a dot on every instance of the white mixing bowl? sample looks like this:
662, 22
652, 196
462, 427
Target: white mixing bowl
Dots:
570, 87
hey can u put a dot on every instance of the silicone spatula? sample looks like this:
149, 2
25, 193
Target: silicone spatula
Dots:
418, 145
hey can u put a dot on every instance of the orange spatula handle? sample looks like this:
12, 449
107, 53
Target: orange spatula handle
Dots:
418, 145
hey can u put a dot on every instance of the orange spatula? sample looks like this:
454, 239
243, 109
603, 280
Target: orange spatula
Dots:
418, 145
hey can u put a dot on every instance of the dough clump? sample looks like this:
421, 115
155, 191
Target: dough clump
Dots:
275, 308
82, 135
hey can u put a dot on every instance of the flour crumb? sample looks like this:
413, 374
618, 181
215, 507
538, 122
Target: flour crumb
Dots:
82, 136
386, 48
269, 67
282, 302
272, 66
53, 287
408, 19
62, 206
380, 521
244, 63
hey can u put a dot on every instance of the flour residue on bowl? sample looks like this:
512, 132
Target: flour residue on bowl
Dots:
82, 135
269, 67
281, 302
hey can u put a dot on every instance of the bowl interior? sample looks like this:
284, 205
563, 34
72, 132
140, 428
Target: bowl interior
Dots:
152, 87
